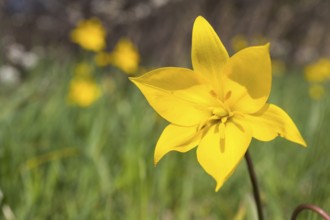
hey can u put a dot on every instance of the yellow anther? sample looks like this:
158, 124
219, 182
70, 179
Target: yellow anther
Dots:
219, 112
228, 94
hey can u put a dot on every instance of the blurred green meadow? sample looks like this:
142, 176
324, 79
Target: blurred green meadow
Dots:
62, 161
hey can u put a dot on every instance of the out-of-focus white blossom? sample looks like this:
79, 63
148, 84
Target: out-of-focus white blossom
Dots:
19, 56
9, 75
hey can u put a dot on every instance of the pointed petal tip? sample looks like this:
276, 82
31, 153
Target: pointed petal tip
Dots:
156, 160
132, 79
303, 143
219, 185
155, 163
297, 140
267, 45
200, 18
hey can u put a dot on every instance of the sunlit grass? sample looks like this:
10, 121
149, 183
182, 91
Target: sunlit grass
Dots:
59, 161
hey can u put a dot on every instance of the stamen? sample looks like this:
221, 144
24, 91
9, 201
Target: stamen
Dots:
228, 94
222, 128
214, 94
219, 112
214, 117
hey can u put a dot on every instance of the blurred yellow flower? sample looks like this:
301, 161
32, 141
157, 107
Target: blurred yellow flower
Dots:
218, 106
83, 91
319, 71
239, 42
316, 91
90, 35
125, 56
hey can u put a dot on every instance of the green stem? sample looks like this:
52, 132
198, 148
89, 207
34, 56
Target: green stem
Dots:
255, 186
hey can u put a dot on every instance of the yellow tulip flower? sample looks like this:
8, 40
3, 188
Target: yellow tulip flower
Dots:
218, 106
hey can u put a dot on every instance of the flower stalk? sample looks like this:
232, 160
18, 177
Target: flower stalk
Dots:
256, 195
314, 208
253, 178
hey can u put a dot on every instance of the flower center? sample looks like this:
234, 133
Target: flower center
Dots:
220, 115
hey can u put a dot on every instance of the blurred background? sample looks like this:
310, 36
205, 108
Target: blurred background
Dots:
77, 138
297, 29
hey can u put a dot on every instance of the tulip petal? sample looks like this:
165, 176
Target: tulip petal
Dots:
208, 54
179, 95
176, 138
220, 160
248, 85
272, 121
